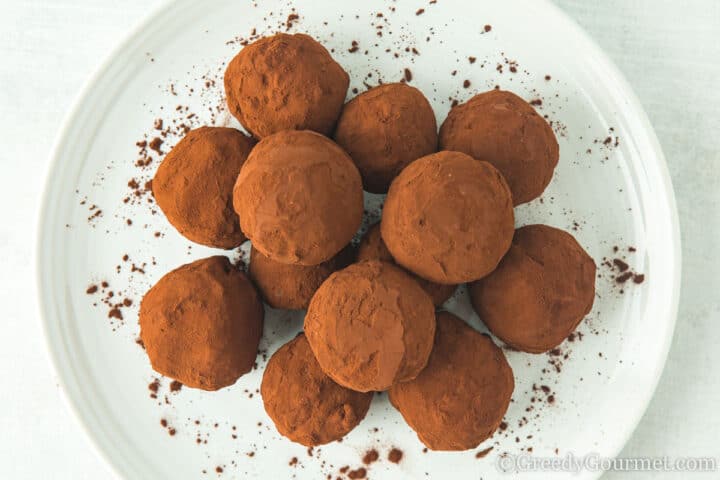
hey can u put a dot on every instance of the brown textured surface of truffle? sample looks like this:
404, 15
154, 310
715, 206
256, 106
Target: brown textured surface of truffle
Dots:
285, 82
299, 198
460, 398
448, 218
370, 326
501, 128
194, 183
384, 129
304, 403
201, 324
540, 292
372, 247
292, 286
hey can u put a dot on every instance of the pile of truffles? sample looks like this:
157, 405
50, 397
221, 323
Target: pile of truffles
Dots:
295, 190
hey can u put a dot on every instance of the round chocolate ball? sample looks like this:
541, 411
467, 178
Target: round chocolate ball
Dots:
194, 183
448, 218
370, 326
384, 129
305, 404
299, 198
292, 286
372, 247
540, 292
501, 128
460, 398
201, 324
285, 82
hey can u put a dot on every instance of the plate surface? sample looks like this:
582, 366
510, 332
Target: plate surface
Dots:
611, 190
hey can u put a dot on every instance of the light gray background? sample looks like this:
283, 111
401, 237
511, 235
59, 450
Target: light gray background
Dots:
669, 51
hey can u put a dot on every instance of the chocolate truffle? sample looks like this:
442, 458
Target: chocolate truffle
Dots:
194, 183
299, 197
540, 292
460, 398
305, 404
448, 218
384, 129
201, 324
285, 82
292, 286
501, 128
372, 247
370, 326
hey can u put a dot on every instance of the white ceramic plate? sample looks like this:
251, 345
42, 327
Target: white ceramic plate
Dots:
615, 194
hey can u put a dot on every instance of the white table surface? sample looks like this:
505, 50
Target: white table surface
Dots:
670, 52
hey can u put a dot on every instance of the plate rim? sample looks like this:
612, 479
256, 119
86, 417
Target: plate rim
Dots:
57, 355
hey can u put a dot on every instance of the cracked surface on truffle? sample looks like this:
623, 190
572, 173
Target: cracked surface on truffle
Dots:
304, 403
285, 82
370, 326
299, 198
201, 324
448, 218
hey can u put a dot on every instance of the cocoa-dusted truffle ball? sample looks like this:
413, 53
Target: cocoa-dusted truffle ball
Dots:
384, 129
201, 324
460, 398
370, 326
299, 198
501, 128
304, 403
285, 82
448, 218
372, 247
292, 286
540, 292
193, 185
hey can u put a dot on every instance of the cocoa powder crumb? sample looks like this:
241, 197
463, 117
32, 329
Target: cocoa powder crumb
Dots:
622, 266
155, 145
420, 11
357, 474
408, 75
487, 28
175, 386
483, 453
624, 277
291, 19
371, 456
91, 289
395, 455
115, 312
